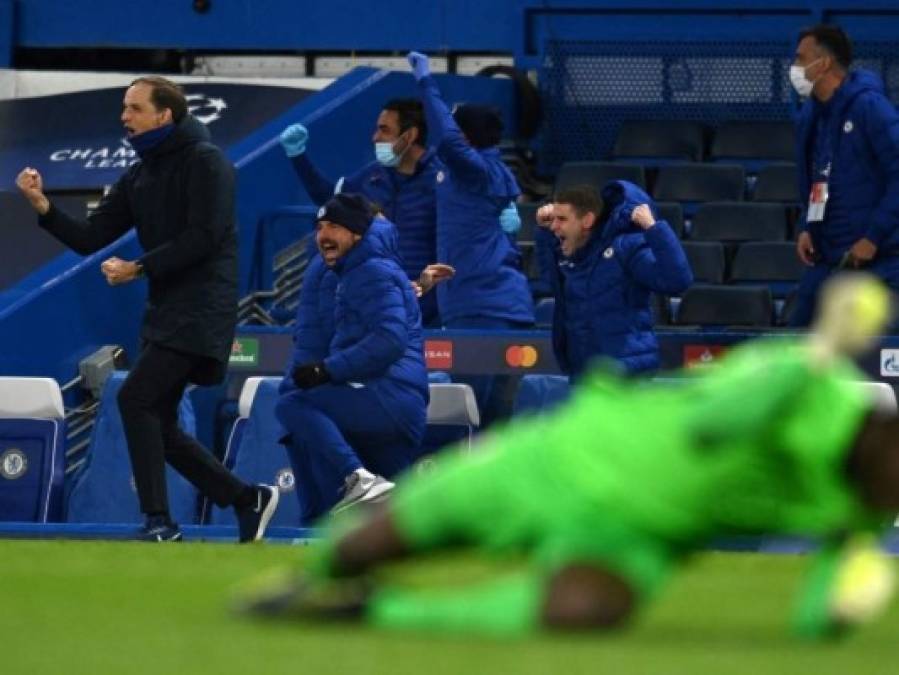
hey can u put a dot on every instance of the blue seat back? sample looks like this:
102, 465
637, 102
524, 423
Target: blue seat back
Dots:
32, 468
258, 457
104, 490
32, 449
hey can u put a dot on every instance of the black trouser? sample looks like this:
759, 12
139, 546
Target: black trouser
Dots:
148, 402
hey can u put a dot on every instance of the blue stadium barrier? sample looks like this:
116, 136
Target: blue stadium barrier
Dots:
103, 488
32, 449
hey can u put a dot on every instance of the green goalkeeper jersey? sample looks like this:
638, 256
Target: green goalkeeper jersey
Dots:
756, 444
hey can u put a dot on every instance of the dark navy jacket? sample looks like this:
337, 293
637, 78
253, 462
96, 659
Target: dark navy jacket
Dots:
471, 193
408, 202
603, 290
859, 128
180, 200
377, 340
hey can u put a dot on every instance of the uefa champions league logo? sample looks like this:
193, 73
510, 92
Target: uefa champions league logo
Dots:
284, 480
206, 109
13, 464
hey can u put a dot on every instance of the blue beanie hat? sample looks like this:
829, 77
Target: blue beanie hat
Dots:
352, 211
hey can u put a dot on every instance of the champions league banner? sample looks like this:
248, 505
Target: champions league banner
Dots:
77, 142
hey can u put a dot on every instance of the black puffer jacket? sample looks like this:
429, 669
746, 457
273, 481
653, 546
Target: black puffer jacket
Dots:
180, 199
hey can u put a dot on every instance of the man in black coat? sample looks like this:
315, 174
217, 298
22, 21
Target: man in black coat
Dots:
180, 199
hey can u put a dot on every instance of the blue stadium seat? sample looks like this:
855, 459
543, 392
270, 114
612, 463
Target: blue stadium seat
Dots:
103, 489
673, 214
597, 174
739, 221
32, 449
660, 306
745, 306
257, 456
774, 263
777, 183
440, 435
538, 393
707, 260
692, 184
453, 405
543, 312
528, 214
657, 141
753, 144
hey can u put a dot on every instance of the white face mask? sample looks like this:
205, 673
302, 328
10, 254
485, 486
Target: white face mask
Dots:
798, 79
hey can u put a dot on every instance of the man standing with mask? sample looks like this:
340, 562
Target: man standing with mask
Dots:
848, 165
400, 181
180, 199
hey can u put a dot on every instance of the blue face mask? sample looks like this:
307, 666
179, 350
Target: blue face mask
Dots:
386, 156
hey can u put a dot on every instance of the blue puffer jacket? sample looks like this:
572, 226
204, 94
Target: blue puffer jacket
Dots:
471, 193
314, 328
863, 128
603, 290
409, 202
378, 340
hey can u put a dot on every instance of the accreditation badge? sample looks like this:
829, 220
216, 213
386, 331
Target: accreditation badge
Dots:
817, 202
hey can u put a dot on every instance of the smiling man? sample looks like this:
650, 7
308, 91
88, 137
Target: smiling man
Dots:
612, 254
400, 179
353, 408
180, 199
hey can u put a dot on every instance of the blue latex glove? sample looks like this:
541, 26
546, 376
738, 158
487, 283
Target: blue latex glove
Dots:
419, 63
294, 138
509, 219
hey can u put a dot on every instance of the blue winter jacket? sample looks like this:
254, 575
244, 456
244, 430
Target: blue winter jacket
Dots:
603, 290
472, 191
377, 339
409, 202
861, 127
314, 327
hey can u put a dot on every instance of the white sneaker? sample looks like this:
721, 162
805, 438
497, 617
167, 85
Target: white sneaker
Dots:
362, 486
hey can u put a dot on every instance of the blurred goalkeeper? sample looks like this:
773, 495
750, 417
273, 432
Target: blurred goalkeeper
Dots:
609, 494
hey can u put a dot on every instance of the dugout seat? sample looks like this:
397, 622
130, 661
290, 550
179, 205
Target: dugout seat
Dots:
753, 144
597, 174
103, 490
453, 404
657, 141
673, 214
739, 221
774, 263
777, 183
707, 305
692, 184
32, 449
255, 454
706, 260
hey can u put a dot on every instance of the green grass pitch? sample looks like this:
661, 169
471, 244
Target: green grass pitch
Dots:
119, 608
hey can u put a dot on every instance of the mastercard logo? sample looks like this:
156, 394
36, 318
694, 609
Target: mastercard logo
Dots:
521, 356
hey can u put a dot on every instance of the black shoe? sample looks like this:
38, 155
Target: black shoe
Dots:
159, 528
280, 594
252, 520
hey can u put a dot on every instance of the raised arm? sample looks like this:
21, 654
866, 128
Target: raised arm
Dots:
109, 221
